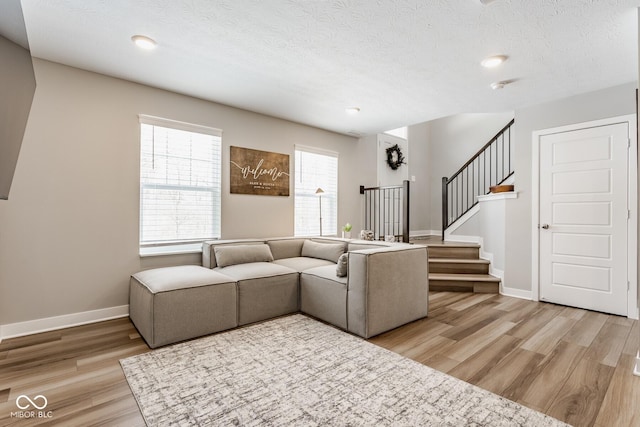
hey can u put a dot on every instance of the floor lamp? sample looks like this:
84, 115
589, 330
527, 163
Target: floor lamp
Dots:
319, 193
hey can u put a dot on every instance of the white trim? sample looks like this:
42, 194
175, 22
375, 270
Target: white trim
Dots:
190, 248
174, 124
632, 229
315, 150
46, 324
636, 369
424, 233
498, 196
496, 272
535, 215
516, 293
464, 218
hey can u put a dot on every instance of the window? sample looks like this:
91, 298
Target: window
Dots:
316, 169
179, 182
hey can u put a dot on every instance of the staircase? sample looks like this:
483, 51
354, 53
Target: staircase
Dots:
458, 267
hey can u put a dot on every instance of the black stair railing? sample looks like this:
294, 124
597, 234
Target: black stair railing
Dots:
491, 165
386, 211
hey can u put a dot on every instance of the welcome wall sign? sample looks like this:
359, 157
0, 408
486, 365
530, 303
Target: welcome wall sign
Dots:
258, 172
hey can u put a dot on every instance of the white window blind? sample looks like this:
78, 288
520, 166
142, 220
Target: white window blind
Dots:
179, 182
316, 169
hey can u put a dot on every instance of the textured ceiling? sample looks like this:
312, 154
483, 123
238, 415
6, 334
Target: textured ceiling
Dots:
402, 62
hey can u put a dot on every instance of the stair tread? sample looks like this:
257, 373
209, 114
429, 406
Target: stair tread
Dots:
459, 260
453, 245
464, 277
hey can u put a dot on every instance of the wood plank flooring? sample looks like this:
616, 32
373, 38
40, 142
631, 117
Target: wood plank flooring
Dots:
572, 364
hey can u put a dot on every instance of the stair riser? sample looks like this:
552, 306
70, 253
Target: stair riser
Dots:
458, 268
453, 286
455, 252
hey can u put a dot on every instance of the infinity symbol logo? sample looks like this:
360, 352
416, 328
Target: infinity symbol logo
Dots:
30, 402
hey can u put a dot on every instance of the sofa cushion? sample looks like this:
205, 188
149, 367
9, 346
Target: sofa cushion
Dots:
342, 265
286, 248
227, 255
208, 252
173, 304
329, 251
300, 264
254, 270
179, 277
325, 272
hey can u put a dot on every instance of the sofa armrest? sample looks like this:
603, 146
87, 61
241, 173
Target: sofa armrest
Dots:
387, 288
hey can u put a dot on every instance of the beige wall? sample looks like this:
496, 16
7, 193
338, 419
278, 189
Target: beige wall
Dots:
419, 168
69, 233
611, 102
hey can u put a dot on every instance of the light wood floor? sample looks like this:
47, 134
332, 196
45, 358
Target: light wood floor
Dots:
572, 364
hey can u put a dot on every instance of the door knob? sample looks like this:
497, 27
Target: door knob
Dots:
545, 226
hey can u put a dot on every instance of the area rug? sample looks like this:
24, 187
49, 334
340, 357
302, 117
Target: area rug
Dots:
296, 371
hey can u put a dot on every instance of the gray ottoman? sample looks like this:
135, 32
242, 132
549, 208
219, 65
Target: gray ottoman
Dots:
173, 304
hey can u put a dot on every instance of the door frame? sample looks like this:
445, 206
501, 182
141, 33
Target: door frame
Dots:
632, 204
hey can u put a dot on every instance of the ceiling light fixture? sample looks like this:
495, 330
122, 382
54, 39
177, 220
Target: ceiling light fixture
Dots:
352, 110
498, 85
144, 42
493, 61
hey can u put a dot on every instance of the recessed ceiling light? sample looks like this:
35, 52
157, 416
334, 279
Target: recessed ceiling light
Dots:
144, 42
352, 110
493, 61
498, 85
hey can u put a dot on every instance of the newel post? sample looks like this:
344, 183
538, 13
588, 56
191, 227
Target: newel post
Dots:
445, 204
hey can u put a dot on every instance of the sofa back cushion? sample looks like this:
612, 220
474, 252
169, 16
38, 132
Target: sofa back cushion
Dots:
329, 251
209, 254
286, 248
227, 255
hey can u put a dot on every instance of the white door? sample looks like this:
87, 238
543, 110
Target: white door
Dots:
583, 218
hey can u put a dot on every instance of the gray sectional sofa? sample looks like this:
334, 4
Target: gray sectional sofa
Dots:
363, 287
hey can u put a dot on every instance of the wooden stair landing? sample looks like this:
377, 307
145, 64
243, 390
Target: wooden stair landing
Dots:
458, 267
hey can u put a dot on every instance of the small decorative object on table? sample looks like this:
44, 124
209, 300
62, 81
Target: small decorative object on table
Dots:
366, 235
346, 231
500, 188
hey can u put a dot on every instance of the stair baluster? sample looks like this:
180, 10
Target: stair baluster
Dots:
460, 191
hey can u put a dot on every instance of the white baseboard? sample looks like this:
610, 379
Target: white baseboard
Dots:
496, 272
13, 330
516, 293
424, 233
